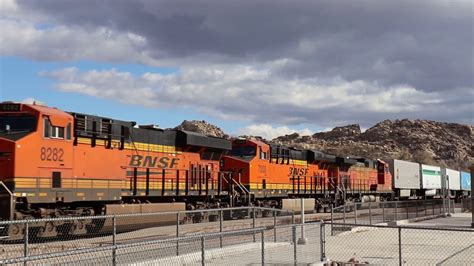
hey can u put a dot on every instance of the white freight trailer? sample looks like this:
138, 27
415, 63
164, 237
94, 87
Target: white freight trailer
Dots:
466, 181
430, 177
406, 176
454, 179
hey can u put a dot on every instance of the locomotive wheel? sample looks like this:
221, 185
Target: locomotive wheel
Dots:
186, 220
48, 230
78, 227
16, 232
198, 218
95, 226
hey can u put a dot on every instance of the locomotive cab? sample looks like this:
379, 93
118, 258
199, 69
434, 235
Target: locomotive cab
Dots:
35, 141
249, 149
248, 158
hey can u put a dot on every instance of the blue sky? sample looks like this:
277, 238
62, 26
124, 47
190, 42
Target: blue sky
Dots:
20, 79
321, 64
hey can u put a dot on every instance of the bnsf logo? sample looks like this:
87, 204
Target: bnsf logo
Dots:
152, 161
294, 171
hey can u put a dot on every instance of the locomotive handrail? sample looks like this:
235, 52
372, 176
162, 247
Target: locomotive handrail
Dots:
5, 188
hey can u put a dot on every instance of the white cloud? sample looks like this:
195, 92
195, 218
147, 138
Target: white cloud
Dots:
32, 101
60, 43
253, 94
270, 132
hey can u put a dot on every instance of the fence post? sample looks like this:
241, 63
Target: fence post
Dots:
449, 203
203, 253
253, 224
416, 209
355, 213
294, 244
370, 213
177, 233
396, 211
424, 206
221, 219
344, 214
400, 246
263, 247
322, 240
303, 240
383, 212
26, 240
293, 218
332, 220
406, 208
274, 226
114, 240
433, 207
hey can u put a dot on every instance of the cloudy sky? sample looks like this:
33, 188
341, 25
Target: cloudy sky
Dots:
252, 67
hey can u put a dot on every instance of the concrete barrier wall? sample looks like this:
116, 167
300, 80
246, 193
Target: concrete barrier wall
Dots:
295, 204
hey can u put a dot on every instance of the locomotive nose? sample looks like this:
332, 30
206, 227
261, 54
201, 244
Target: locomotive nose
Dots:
7, 149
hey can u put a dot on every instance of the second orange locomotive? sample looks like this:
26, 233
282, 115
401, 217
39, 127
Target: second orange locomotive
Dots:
270, 172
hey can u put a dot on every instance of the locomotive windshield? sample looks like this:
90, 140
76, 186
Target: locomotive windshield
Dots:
244, 151
17, 124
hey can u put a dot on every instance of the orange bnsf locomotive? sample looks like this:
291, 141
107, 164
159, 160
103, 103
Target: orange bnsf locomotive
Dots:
55, 164
270, 172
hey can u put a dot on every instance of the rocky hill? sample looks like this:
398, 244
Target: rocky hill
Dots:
430, 142
202, 127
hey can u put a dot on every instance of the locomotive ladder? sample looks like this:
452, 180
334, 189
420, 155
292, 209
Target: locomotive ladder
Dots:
134, 187
246, 193
337, 187
342, 188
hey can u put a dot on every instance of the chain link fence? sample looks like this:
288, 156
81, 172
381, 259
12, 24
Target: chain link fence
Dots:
397, 245
255, 246
26, 238
277, 245
390, 211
